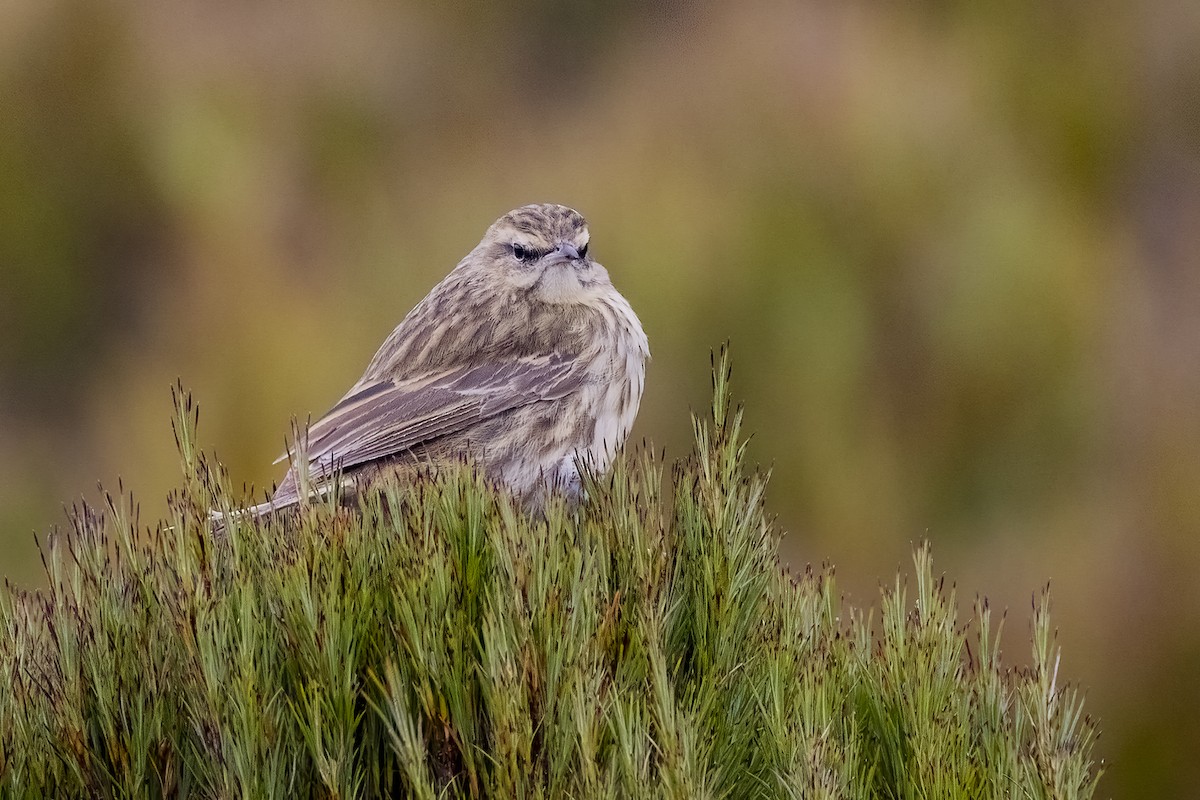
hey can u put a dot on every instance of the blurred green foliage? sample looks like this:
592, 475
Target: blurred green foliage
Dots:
954, 245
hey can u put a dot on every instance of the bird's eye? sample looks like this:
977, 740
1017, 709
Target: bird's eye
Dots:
522, 253
583, 250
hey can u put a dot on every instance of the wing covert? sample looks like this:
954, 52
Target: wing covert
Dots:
384, 417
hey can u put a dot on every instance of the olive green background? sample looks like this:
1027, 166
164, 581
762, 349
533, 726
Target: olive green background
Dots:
955, 246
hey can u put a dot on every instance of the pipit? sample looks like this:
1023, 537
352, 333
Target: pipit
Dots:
524, 359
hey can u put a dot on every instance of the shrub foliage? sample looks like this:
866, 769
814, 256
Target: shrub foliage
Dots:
436, 641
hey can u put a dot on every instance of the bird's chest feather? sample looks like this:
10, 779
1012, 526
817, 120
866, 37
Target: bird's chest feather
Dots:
616, 396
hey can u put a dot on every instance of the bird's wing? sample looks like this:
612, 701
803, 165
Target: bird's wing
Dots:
381, 418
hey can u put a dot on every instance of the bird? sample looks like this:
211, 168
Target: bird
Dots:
524, 359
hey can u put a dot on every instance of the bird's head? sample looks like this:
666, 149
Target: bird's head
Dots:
543, 249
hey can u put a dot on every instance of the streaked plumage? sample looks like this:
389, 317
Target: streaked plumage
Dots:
524, 357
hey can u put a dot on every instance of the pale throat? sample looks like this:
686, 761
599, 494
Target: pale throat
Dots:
560, 285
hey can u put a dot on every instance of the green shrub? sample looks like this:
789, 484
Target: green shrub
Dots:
435, 641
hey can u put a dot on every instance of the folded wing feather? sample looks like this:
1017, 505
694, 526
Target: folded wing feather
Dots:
383, 418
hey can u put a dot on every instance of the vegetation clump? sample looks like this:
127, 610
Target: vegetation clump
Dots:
436, 641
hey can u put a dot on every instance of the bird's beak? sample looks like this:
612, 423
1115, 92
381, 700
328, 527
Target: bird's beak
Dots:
564, 253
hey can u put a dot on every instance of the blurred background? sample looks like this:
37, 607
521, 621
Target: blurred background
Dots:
956, 247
